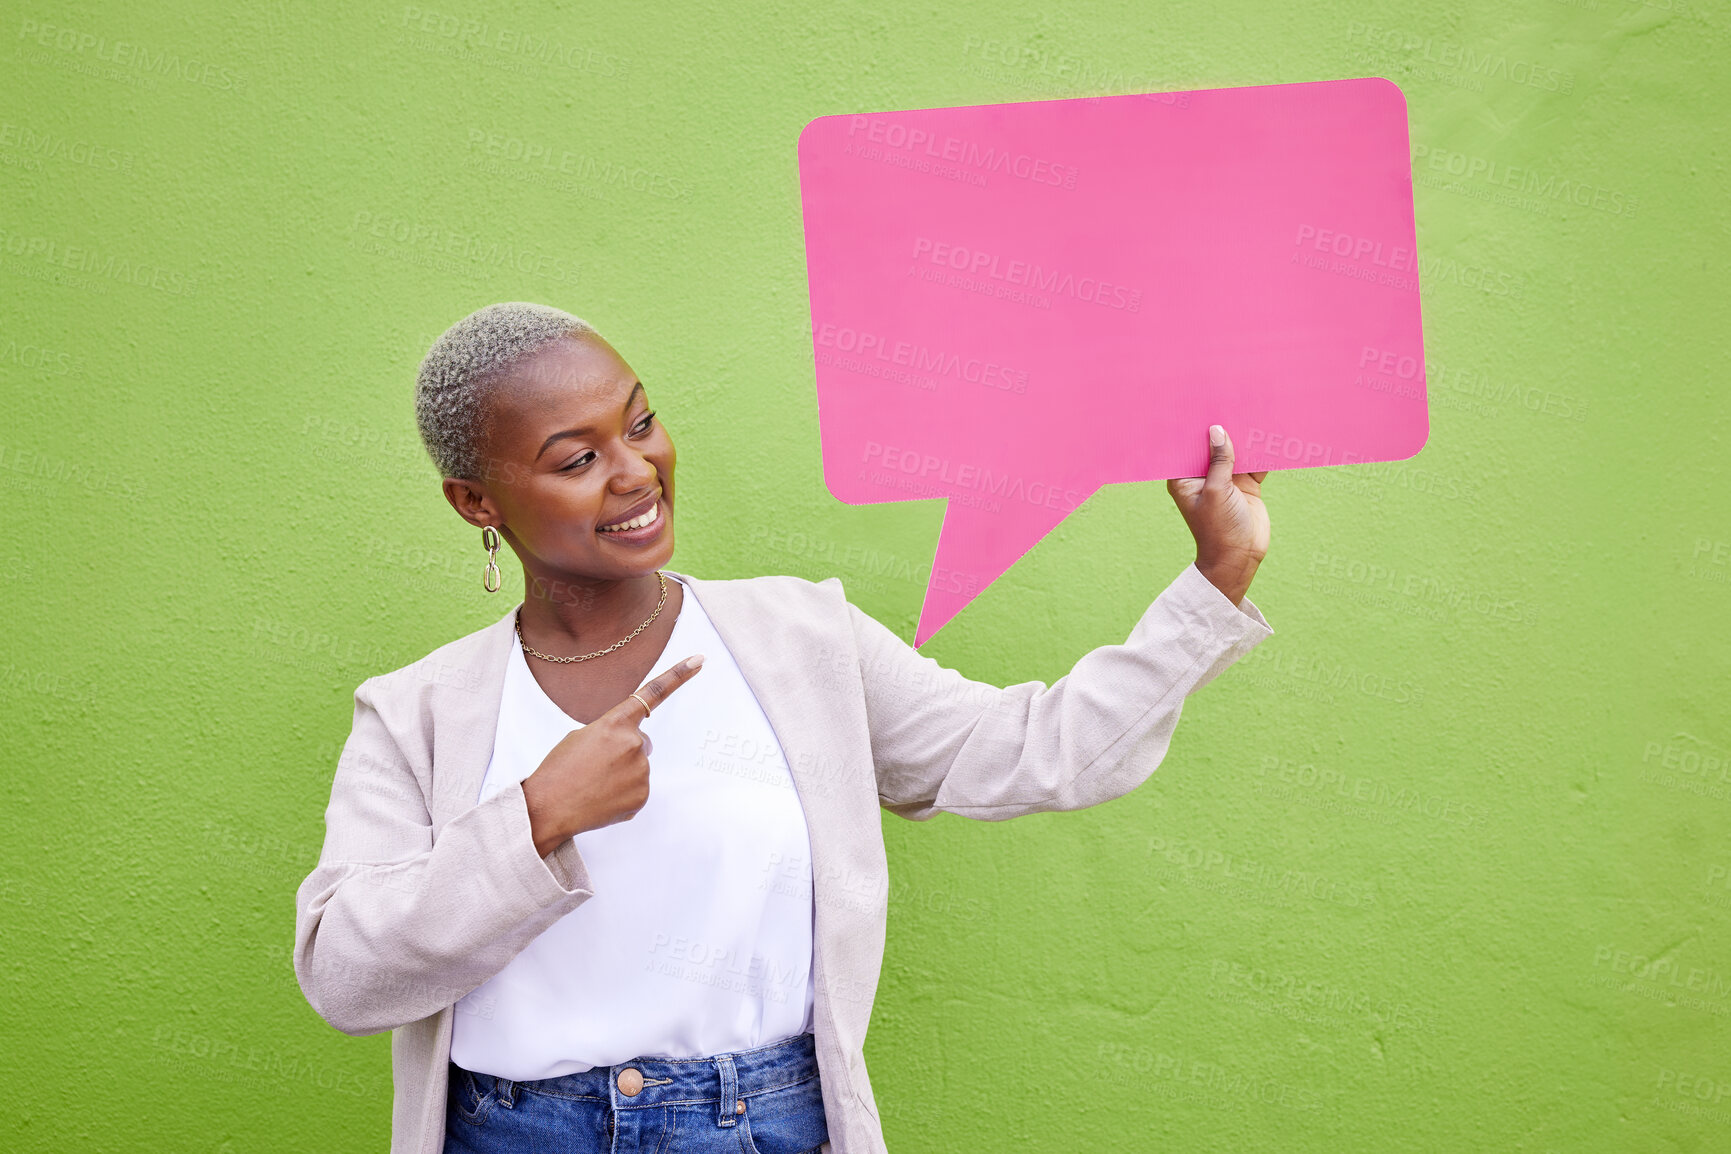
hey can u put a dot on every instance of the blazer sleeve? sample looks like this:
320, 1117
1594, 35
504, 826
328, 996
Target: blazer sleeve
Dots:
943, 742
394, 925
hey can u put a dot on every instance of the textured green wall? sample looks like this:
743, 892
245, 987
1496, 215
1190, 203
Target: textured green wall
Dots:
1442, 866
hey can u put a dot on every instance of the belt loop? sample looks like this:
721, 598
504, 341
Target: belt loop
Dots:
726, 1106
506, 1087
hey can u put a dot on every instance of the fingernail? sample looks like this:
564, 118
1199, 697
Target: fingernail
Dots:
1216, 435
694, 661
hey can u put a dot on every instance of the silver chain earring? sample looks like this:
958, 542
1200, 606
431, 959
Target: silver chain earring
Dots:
490, 575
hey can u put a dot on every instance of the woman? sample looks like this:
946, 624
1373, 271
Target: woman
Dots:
571, 959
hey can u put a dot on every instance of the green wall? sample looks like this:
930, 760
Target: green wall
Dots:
1443, 865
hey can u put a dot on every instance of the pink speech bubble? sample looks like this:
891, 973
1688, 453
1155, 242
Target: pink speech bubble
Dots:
1014, 304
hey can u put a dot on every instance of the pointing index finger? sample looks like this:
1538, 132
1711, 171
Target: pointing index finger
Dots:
658, 689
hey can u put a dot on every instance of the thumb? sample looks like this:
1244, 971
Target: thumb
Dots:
1219, 457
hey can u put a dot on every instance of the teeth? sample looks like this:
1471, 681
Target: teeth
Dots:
635, 522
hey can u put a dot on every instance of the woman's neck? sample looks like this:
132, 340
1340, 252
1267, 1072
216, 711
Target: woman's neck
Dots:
584, 615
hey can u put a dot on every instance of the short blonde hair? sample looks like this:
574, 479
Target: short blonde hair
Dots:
461, 371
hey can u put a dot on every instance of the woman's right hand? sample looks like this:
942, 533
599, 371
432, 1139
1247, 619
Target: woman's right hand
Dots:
599, 775
1225, 513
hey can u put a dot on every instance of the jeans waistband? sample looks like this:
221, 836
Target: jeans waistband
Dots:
725, 1079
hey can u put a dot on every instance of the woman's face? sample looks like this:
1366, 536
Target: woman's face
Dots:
572, 446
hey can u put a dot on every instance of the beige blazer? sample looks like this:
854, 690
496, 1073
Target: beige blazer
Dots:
420, 894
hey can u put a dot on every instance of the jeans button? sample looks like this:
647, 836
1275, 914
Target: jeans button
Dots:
630, 1081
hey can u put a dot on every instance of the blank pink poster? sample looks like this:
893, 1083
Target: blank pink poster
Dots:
1014, 304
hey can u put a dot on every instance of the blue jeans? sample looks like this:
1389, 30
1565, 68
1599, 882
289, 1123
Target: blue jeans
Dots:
762, 1101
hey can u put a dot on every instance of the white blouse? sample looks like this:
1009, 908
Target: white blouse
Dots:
698, 939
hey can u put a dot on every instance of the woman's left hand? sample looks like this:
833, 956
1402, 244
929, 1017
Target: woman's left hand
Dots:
1225, 513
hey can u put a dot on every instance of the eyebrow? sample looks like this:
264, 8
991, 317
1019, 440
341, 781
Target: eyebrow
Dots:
585, 431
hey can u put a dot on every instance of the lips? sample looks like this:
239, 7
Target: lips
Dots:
632, 513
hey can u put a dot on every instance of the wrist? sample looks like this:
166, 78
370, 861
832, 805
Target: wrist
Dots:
545, 828
1231, 574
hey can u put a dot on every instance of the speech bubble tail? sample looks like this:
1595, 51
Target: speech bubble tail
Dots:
975, 548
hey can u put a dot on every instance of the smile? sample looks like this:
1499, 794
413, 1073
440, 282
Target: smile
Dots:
635, 522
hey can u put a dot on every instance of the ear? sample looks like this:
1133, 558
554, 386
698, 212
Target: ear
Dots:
470, 501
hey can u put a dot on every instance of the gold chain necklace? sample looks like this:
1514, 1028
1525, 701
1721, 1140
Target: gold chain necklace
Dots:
549, 657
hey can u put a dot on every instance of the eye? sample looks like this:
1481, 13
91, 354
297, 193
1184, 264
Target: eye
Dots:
583, 460
646, 423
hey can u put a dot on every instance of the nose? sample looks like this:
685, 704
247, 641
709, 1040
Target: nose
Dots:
635, 472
